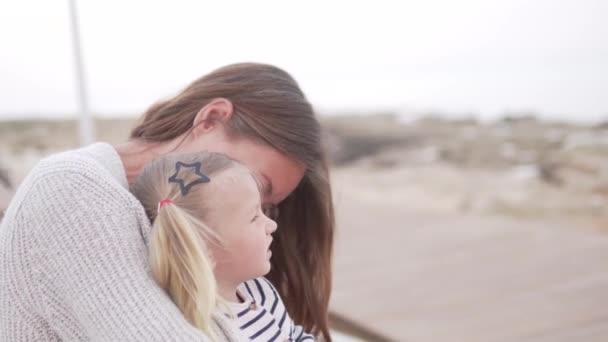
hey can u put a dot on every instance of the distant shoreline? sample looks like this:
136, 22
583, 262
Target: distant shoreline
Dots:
401, 116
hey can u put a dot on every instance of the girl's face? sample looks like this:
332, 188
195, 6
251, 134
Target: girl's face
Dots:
246, 233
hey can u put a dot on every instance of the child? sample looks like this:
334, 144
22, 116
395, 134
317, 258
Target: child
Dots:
210, 244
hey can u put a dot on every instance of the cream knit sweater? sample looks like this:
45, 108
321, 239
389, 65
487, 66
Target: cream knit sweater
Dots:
73, 259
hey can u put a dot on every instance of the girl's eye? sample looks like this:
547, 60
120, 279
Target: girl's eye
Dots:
254, 218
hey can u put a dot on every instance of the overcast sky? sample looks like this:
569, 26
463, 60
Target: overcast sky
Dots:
484, 57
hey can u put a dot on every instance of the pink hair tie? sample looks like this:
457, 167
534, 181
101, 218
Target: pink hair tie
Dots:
163, 202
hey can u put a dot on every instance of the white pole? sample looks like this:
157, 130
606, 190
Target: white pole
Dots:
87, 133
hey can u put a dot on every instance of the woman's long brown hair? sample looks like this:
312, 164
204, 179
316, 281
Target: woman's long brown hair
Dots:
270, 107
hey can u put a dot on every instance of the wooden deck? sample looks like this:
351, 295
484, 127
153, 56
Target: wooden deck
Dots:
425, 277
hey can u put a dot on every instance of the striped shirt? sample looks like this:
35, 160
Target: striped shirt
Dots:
261, 315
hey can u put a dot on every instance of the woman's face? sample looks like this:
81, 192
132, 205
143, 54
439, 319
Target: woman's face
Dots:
278, 174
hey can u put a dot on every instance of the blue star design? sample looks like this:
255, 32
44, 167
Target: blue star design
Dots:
185, 188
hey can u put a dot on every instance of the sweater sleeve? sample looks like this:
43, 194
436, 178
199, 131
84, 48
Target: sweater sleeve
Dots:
90, 263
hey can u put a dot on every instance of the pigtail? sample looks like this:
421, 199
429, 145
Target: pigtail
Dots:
181, 265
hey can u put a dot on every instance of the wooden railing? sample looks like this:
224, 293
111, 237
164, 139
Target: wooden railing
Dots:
349, 327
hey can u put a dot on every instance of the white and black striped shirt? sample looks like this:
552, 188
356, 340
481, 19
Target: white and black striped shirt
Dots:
261, 315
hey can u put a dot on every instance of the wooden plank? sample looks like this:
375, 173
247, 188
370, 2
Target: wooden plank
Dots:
430, 277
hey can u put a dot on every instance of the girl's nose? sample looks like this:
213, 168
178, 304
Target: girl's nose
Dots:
271, 226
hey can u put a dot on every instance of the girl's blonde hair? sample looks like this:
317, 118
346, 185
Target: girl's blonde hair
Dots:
178, 249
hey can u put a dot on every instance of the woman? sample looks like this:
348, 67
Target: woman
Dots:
73, 241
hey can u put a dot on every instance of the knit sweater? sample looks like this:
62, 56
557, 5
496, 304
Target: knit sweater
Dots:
74, 261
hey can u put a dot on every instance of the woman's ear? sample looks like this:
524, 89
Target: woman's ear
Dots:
217, 112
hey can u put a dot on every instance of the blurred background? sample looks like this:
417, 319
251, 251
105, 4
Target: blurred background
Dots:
468, 140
